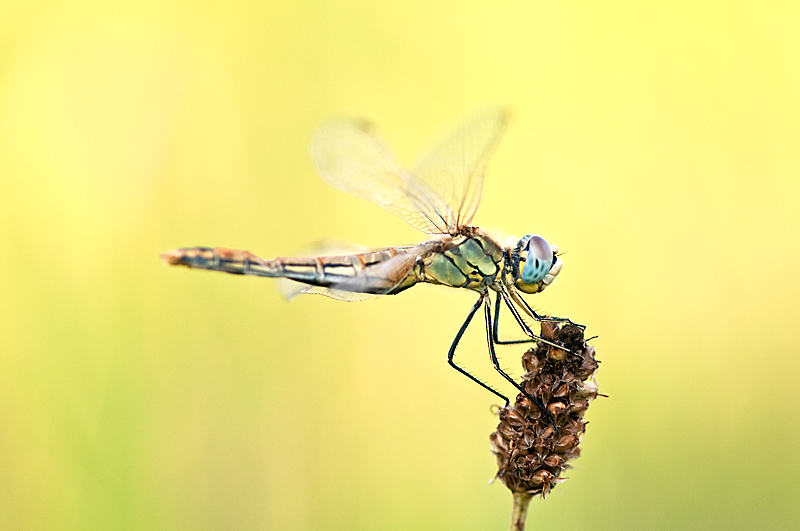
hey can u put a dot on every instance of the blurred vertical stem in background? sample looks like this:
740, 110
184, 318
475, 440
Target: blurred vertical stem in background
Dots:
519, 511
531, 454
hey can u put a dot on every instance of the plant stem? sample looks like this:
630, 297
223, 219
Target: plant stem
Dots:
520, 510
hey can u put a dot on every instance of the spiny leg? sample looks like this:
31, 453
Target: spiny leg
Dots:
522, 323
525, 328
488, 313
451, 354
496, 328
538, 317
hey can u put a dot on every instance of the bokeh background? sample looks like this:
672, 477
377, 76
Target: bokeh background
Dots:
657, 143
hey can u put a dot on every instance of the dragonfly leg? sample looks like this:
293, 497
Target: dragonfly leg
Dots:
451, 354
524, 325
538, 317
490, 340
496, 327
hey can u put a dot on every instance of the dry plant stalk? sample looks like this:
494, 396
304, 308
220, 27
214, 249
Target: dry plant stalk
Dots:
531, 454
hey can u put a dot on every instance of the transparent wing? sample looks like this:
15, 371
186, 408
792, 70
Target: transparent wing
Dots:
455, 168
350, 157
374, 280
383, 277
290, 289
443, 194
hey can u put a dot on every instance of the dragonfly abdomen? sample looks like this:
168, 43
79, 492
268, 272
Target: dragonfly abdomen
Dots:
355, 272
232, 261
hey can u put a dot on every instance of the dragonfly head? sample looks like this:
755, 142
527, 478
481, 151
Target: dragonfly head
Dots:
535, 264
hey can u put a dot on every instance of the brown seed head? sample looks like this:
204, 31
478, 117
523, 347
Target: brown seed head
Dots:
531, 454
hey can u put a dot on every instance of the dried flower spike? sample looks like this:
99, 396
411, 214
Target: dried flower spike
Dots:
531, 453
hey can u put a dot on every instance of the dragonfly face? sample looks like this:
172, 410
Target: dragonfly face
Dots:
439, 197
535, 264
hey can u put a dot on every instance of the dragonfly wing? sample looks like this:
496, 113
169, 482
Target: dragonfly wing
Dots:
383, 277
350, 156
440, 196
453, 171
290, 289
377, 279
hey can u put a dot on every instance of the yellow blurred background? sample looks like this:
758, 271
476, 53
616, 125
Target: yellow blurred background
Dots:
657, 143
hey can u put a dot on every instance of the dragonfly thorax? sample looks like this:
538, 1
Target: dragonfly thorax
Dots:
470, 259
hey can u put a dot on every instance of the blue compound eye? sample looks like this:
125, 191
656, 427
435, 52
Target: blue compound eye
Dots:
539, 260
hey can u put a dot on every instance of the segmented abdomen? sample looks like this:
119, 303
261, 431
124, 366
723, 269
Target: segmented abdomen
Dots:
356, 272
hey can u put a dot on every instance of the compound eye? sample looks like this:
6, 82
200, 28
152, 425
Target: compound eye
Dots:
539, 260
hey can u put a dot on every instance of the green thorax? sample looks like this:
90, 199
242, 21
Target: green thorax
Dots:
471, 260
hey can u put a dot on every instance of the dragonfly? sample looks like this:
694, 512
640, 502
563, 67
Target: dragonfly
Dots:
439, 197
